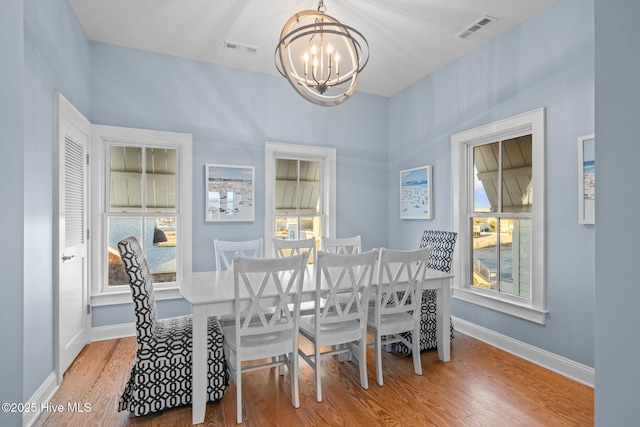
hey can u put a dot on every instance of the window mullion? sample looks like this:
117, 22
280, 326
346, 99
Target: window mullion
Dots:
498, 217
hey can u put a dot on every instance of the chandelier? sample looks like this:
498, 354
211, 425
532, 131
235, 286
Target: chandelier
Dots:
320, 57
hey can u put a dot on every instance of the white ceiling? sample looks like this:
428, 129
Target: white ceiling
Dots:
408, 39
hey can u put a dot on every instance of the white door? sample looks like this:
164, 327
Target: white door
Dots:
72, 288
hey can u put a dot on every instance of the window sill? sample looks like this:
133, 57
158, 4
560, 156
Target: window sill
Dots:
124, 297
502, 304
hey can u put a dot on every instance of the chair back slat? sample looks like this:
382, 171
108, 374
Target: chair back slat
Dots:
342, 284
343, 245
227, 251
267, 293
401, 275
284, 248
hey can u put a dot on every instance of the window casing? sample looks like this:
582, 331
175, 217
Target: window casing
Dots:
142, 187
299, 192
499, 213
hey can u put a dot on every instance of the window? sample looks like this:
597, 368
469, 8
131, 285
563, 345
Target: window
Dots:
144, 180
300, 192
499, 213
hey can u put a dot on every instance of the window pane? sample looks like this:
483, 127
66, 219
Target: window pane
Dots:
119, 228
125, 192
160, 248
486, 161
287, 228
516, 174
503, 267
297, 186
484, 252
161, 179
515, 262
309, 193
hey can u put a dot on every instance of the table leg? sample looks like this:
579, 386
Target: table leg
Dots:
443, 308
199, 364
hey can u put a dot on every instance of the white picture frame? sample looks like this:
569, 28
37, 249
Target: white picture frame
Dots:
229, 193
586, 179
416, 189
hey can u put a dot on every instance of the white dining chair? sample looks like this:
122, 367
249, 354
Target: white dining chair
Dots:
342, 245
342, 284
226, 251
397, 302
267, 323
283, 247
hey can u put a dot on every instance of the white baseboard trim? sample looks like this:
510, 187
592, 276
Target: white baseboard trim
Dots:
561, 365
40, 398
101, 333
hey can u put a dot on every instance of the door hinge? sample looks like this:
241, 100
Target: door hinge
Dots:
88, 234
88, 308
87, 159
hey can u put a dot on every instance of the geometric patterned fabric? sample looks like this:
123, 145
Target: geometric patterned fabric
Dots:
160, 377
442, 245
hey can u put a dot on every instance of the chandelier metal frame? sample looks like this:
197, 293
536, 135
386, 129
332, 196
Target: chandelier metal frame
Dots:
315, 86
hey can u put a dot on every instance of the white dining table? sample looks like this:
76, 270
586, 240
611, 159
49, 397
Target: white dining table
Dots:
211, 293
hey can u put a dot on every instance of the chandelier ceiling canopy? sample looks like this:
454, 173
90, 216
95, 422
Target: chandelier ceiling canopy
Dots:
320, 57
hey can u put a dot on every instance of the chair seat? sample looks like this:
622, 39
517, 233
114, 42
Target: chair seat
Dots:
166, 358
327, 330
391, 323
257, 346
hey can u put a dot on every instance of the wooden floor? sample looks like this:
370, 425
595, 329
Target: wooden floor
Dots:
481, 386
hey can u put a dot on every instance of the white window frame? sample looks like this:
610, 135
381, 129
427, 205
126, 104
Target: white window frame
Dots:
101, 137
327, 158
533, 122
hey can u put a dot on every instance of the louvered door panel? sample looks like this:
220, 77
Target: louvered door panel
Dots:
74, 187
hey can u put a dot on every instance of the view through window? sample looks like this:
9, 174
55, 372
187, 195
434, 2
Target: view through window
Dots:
298, 200
500, 218
142, 203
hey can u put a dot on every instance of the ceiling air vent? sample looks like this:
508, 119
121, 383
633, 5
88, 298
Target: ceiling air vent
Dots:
243, 48
474, 28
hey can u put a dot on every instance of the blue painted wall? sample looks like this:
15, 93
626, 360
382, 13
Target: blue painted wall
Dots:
12, 196
617, 235
56, 58
548, 61
231, 113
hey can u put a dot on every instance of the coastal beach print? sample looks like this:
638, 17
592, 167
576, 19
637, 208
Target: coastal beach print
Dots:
588, 196
230, 193
415, 193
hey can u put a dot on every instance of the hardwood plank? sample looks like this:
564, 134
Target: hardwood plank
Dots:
480, 386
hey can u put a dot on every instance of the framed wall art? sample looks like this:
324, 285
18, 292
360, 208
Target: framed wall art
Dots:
587, 179
416, 193
230, 193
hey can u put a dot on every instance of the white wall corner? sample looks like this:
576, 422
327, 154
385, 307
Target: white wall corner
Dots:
576, 371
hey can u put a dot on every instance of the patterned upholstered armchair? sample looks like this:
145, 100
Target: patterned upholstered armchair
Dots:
442, 244
160, 377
